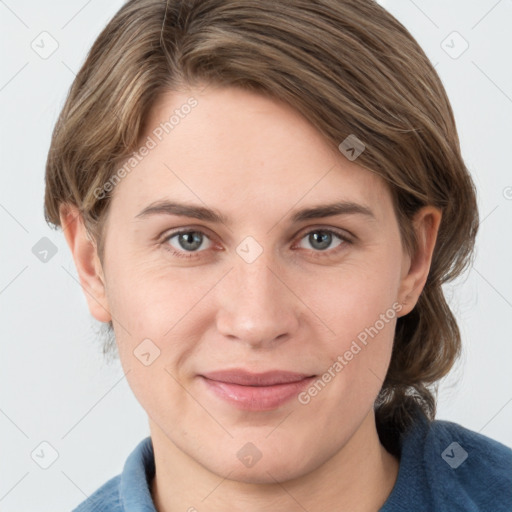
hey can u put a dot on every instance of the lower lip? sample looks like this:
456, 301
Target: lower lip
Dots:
257, 398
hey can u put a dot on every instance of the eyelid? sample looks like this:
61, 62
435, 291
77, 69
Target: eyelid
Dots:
342, 233
204, 230
166, 236
345, 236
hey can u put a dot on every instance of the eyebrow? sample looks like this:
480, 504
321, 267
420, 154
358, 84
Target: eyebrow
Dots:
165, 207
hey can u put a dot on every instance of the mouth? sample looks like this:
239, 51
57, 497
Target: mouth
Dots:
255, 391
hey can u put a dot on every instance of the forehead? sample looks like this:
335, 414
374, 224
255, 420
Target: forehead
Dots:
241, 153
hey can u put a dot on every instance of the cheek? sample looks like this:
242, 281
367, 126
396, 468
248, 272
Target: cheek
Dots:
151, 315
150, 300
361, 310
157, 313
356, 296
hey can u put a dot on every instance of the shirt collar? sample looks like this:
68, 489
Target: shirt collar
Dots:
136, 478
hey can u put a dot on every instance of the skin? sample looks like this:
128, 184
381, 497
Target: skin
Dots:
256, 161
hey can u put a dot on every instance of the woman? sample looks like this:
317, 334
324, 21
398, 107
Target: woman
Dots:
263, 200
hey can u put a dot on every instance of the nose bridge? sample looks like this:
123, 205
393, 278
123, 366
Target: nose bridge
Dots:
253, 263
256, 281
256, 307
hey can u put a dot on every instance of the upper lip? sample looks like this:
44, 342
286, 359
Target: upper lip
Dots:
246, 378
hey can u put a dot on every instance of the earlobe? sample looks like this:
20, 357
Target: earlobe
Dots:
84, 251
416, 268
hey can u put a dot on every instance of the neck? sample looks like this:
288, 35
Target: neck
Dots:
357, 478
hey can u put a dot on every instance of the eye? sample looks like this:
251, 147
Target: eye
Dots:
187, 243
321, 240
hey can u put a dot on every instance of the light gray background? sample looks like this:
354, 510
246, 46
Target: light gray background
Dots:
55, 386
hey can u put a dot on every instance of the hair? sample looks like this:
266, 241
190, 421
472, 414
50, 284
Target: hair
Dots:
350, 68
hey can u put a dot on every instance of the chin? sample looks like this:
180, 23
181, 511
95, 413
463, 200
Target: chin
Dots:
266, 470
264, 474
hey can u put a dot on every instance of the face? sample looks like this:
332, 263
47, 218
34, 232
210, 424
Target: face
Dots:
262, 290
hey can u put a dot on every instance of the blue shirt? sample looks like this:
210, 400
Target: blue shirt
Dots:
443, 467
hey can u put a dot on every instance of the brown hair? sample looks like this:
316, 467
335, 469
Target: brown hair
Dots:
350, 68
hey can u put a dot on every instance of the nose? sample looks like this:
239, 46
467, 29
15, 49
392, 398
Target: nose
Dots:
255, 304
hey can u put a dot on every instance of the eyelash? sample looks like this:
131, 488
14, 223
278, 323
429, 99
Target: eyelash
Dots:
315, 254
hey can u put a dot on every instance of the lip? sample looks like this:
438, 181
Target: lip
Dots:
256, 391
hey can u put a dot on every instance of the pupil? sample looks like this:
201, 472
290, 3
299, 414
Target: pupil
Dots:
190, 238
326, 239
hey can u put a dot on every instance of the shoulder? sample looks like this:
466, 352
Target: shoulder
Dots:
480, 451
131, 489
468, 466
446, 467
104, 499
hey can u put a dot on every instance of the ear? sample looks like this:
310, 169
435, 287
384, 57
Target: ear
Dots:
87, 262
416, 267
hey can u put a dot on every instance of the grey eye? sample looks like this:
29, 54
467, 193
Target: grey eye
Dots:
189, 241
321, 240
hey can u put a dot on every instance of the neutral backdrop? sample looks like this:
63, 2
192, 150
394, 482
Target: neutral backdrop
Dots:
68, 419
